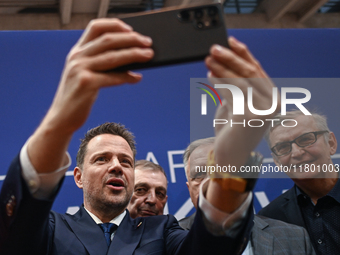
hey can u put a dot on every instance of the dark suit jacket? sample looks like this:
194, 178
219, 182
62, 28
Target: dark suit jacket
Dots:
272, 237
285, 207
187, 222
28, 227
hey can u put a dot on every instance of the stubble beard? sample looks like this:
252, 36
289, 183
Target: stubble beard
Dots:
104, 204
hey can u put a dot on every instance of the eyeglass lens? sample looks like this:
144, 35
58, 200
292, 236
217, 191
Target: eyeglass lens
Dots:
302, 141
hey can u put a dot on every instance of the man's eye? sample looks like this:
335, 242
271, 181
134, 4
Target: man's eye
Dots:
160, 195
199, 175
306, 140
140, 191
283, 147
126, 161
198, 180
100, 159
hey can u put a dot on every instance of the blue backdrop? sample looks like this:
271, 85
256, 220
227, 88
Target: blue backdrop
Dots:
157, 109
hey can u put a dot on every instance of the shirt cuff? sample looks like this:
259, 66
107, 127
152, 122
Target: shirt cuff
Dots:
41, 186
221, 223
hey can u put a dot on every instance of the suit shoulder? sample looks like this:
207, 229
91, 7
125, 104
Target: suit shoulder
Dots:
166, 220
187, 222
287, 236
282, 230
273, 223
157, 218
274, 206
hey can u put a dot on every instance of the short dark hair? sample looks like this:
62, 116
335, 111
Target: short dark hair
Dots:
106, 128
148, 164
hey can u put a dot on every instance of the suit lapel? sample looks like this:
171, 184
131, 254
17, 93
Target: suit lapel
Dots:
291, 208
187, 222
128, 236
87, 232
262, 241
191, 220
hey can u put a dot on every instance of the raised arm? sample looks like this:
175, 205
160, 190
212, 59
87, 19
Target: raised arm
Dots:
233, 144
104, 45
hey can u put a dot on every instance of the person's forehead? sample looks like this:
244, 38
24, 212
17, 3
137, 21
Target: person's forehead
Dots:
108, 143
150, 176
200, 154
304, 125
199, 157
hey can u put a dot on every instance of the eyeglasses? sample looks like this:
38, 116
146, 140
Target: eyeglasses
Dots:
304, 140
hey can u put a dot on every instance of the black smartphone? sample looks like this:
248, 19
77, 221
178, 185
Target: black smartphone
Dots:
179, 34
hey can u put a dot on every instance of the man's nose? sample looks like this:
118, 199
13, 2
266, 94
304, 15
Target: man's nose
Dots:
297, 151
115, 166
151, 198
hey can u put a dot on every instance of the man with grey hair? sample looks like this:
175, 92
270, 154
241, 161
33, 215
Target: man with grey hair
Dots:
314, 201
268, 236
194, 179
150, 191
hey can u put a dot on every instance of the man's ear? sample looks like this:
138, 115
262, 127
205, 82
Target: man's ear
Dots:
333, 144
77, 174
187, 183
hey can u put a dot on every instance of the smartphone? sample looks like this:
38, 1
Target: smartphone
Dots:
179, 34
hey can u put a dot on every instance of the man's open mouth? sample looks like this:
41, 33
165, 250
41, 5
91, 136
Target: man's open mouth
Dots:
115, 183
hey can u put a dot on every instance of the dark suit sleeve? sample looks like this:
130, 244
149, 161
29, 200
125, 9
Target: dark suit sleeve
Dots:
23, 219
200, 241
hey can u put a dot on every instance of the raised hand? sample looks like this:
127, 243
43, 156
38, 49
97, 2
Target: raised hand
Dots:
104, 45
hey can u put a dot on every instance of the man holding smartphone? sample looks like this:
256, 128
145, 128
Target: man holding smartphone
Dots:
35, 176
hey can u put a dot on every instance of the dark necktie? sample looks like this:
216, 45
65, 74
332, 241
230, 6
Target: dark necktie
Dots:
108, 229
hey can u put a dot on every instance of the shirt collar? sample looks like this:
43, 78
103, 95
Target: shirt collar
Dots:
117, 220
301, 196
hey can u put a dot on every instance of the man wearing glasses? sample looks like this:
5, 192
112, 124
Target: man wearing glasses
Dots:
268, 236
314, 201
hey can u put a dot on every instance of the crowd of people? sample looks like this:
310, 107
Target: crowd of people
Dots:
124, 198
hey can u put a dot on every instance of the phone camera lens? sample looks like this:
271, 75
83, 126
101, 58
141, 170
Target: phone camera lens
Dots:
200, 25
184, 15
198, 14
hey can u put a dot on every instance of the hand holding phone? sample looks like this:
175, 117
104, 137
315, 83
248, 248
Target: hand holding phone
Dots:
179, 34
